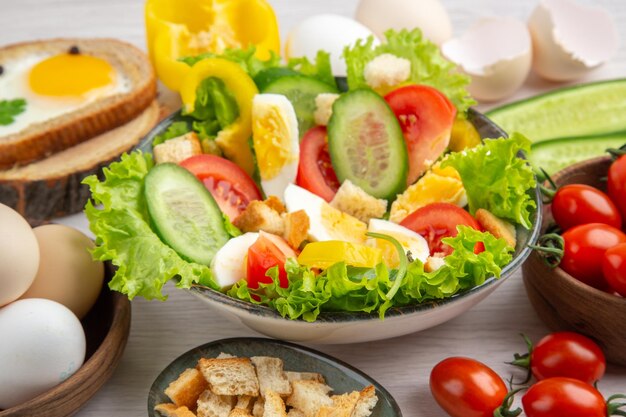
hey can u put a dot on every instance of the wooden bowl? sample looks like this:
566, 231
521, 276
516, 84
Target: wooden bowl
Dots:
565, 303
106, 327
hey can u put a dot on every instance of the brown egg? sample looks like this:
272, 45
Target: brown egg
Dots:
67, 273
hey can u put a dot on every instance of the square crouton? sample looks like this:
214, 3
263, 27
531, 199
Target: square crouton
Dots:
186, 389
259, 407
296, 228
172, 410
269, 372
260, 216
212, 405
274, 405
233, 376
306, 376
309, 397
366, 403
343, 405
239, 412
245, 402
352, 200
294, 412
275, 204
178, 149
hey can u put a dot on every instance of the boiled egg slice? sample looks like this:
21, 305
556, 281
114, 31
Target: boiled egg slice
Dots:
411, 241
276, 141
229, 263
326, 222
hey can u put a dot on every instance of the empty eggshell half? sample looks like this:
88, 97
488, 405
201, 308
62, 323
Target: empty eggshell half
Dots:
570, 39
496, 53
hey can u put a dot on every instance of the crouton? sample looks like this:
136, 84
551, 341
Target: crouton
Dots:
257, 410
178, 149
239, 412
271, 376
274, 405
223, 355
186, 389
306, 376
172, 410
260, 216
309, 397
213, 405
324, 107
366, 403
294, 412
275, 204
343, 405
235, 376
296, 228
386, 70
353, 200
245, 402
497, 227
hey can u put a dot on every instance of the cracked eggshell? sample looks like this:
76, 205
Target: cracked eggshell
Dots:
570, 39
496, 53
428, 15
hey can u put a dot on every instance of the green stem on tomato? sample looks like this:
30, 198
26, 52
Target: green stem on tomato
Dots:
523, 360
547, 192
505, 409
616, 153
613, 408
404, 262
551, 247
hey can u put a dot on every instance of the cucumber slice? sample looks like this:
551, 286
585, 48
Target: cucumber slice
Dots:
184, 213
366, 144
556, 154
301, 91
268, 76
584, 110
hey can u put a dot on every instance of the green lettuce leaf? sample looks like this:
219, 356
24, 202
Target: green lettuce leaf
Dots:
174, 130
427, 65
215, 108
345, 288
244, 57
320, 70
496, 179
124, 236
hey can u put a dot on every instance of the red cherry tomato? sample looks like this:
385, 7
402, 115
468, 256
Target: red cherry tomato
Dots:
426, 117
437, 221
315, 171
267, 252
464, 387
567, 354
584, 250
617, 184
231, 187
614, 268
563, 397
577, 204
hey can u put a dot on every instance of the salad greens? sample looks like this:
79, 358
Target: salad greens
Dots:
11, 108
427, 65
244, 57
320, 70
496, 179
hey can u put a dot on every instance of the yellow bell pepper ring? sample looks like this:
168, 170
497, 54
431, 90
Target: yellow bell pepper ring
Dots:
324, 254
178, 28
233, 140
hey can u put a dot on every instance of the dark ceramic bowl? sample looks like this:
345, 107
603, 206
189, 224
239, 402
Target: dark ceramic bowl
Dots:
340, 376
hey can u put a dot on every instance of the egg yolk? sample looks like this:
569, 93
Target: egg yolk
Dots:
272, 143
70, 75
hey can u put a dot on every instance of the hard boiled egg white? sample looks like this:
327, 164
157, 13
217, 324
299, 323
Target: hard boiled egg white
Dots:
326, 222
496, 53
229, 263
19, 255
410, 241
328, 32
570, 39
276, 141
43, 344
428, 15
53, 85
67, 273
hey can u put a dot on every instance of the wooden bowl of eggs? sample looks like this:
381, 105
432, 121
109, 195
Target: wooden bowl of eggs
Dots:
63, 330
565, 303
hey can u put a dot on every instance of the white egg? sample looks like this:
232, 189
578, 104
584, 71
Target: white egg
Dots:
325, 222
411, 241
496, 53
229, 263
329, 32
43, 344
19, 255
428, 15
276, 141
570, 39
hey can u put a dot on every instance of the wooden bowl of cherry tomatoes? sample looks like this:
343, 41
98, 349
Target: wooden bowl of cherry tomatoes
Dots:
579, 282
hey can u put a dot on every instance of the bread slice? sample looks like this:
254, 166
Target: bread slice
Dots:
172, 410
233, 376
187, 388
42, 139
274, 405
271, 376
212, 405
309, 397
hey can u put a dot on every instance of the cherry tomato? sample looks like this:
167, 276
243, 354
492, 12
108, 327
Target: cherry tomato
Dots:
614, 268
563, 397
464, 387
426, 117
584, 250
577, 204
267, 252
231, 187
315, 171
567, 354
437, 221
617, 184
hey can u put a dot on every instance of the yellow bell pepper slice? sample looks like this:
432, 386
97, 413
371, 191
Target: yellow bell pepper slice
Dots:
178, 28
464, 135
232, 140
324, 254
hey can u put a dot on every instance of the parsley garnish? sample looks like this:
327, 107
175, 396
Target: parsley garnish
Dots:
11, 108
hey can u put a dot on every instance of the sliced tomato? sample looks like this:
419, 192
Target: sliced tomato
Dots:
426, 117
437, 221
229, 185
267, 252
315, 171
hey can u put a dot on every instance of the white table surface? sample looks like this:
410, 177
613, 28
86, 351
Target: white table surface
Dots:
163, 330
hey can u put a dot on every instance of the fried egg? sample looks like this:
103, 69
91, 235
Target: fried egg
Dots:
411, 242
53, 85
